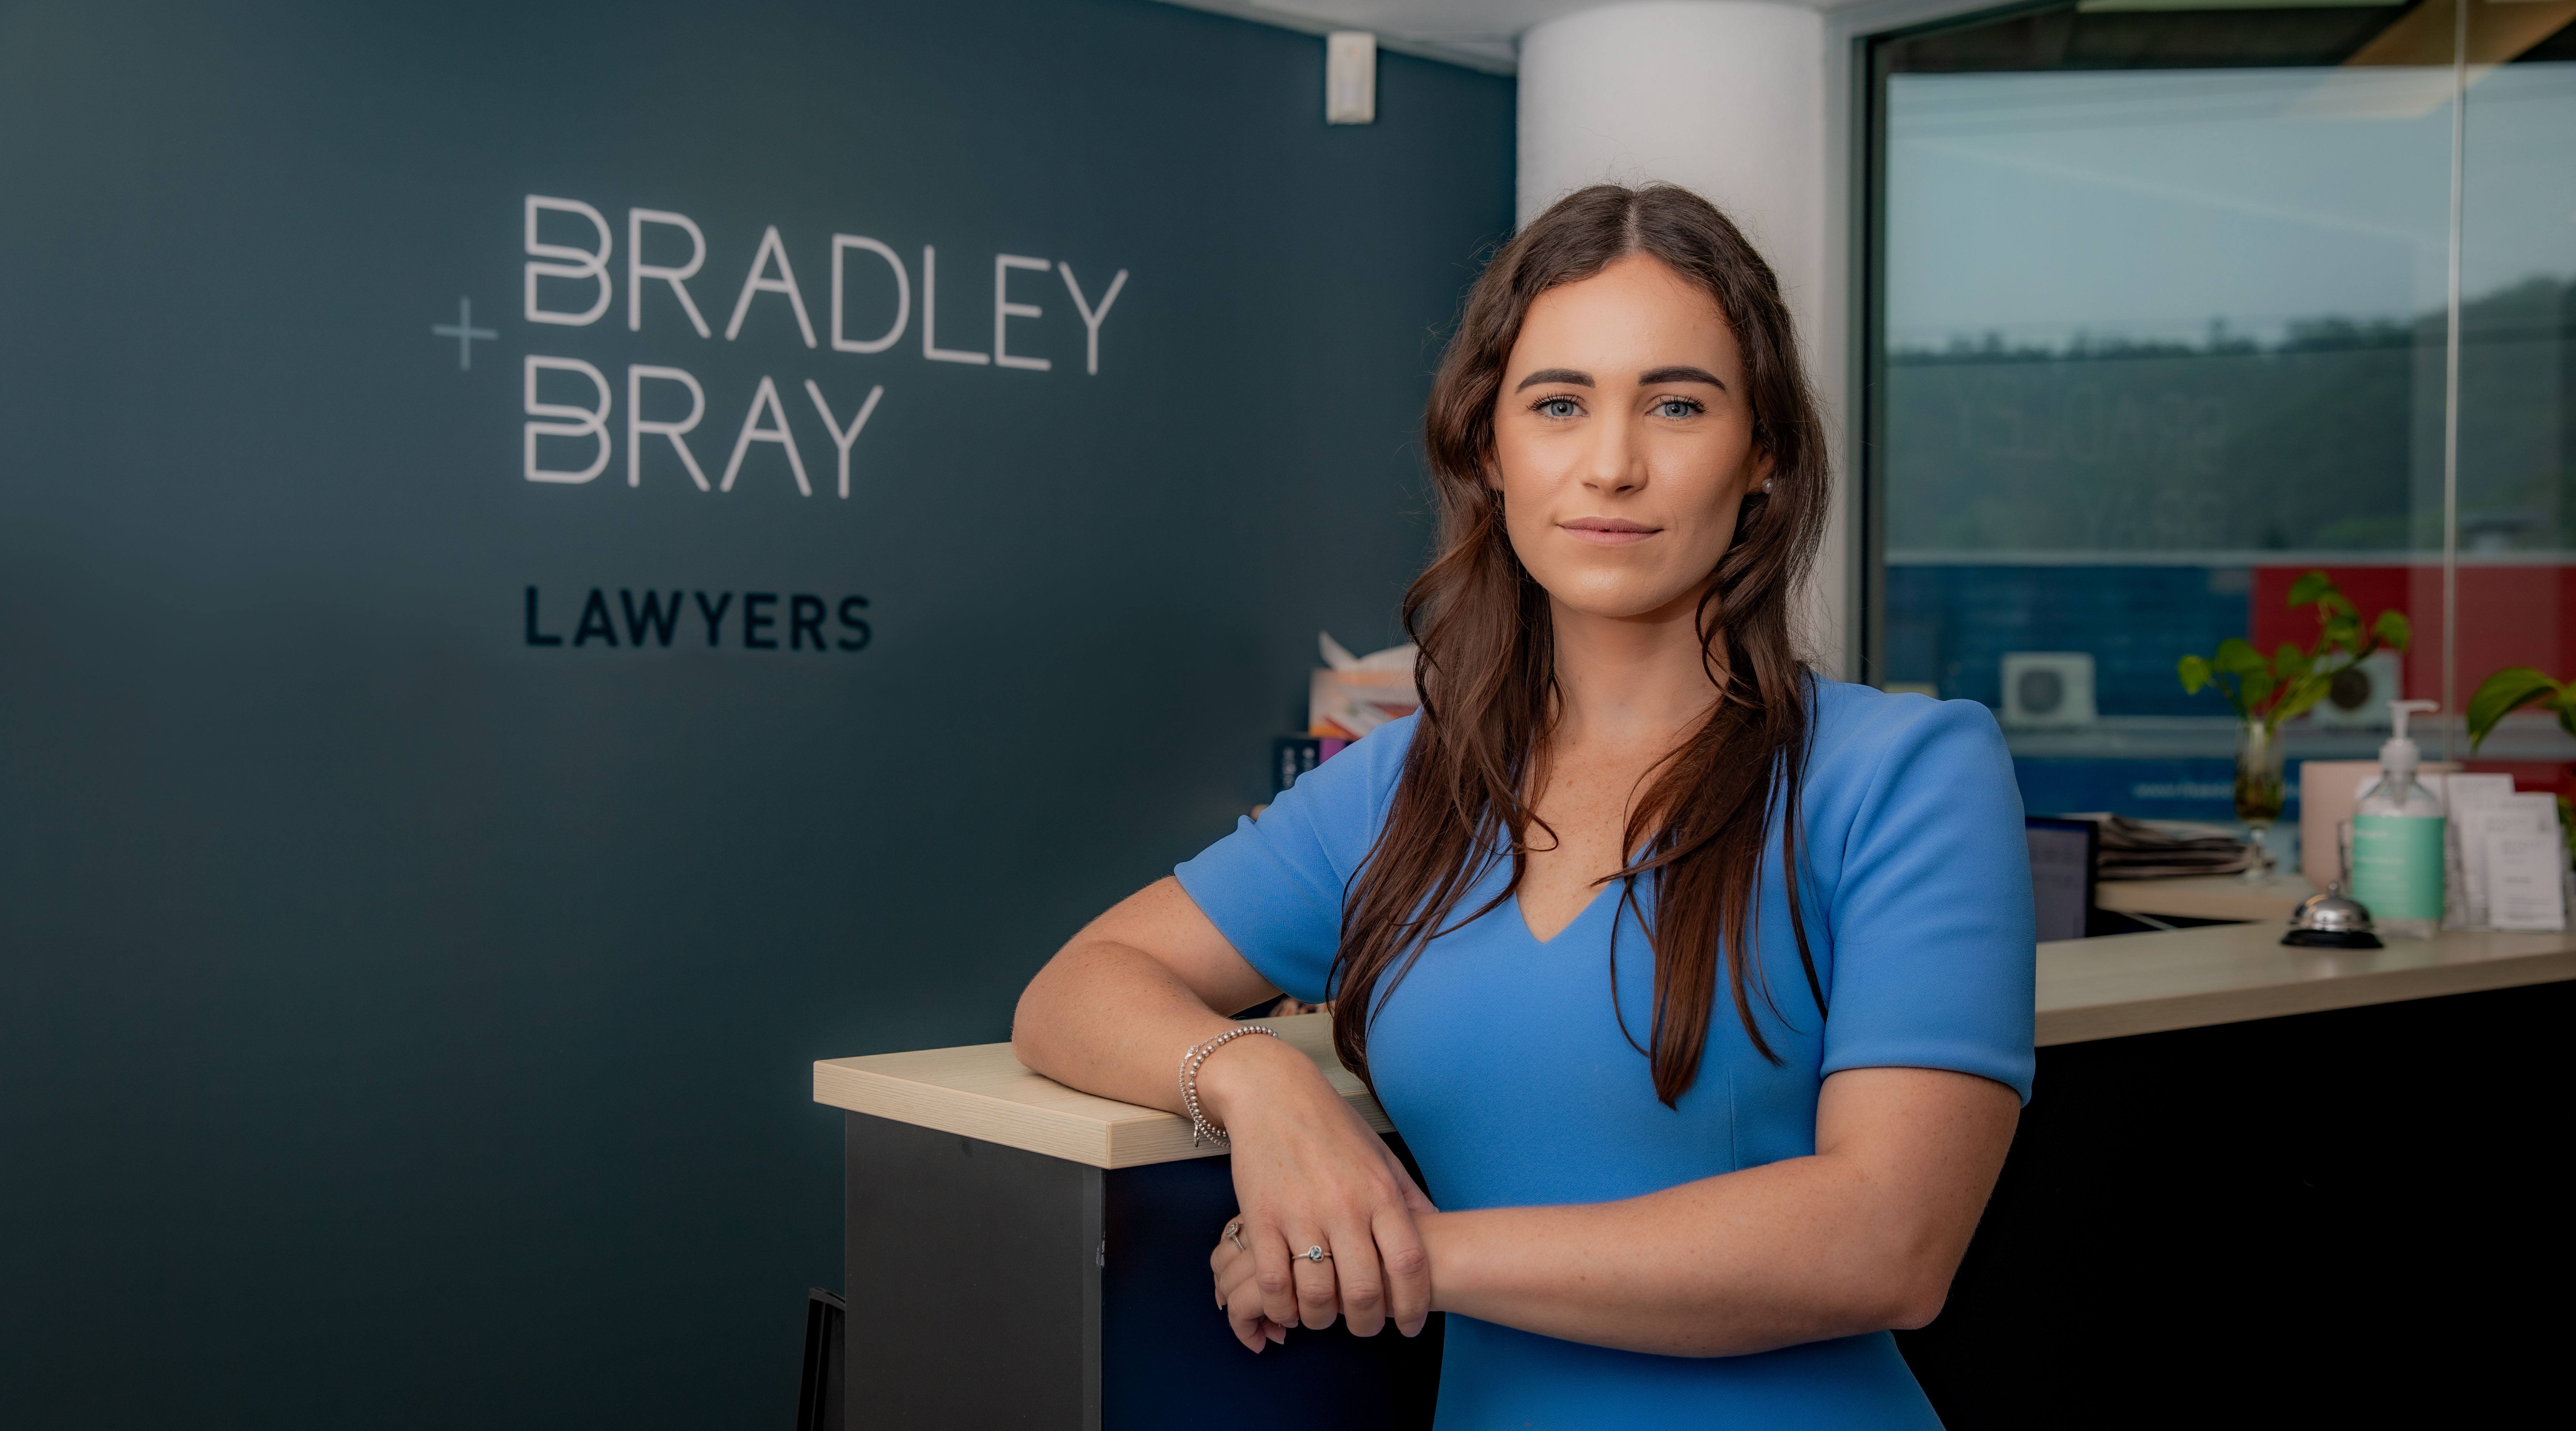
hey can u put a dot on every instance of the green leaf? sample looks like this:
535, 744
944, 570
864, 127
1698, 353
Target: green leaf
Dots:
2341, 633
2194, 672
2308, 588
2289, 663
2306, 693
2393, 630
2505, 692
2237, 655
2258, 685
2336, 603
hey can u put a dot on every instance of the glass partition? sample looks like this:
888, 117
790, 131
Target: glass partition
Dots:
2517, 522
2159, 322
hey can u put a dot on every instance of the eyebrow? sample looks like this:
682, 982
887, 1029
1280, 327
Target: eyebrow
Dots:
1681, 373
1556, 375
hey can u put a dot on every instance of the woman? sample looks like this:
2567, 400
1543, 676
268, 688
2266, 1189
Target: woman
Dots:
1699, 986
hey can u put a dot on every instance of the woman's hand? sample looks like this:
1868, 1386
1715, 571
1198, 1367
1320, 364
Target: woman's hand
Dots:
1238, 1291
1308, 1172
1145, 981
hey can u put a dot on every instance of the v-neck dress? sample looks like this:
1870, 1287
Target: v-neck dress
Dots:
1503, 1064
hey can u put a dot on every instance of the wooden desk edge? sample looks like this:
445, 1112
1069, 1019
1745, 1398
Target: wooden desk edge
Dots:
2208, 1008
1112, 1135
1054, 1132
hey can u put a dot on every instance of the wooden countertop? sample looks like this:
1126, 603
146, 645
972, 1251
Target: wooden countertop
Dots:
984, 1092
2088, 989
2229, 973
2206, 896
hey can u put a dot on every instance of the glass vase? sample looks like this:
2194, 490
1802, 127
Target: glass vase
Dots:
2259, 791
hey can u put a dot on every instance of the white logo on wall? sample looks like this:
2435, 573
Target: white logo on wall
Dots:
572, 284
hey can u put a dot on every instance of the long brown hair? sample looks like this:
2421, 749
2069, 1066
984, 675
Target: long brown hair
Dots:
1488, 669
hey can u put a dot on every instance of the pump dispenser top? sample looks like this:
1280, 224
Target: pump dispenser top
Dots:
2397, 752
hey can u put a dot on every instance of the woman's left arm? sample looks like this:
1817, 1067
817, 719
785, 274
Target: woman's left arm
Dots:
1863, 1236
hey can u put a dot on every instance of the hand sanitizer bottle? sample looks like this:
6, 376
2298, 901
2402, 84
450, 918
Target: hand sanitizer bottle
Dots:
2397, 832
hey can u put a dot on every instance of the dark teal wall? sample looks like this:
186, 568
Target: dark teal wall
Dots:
401, 1025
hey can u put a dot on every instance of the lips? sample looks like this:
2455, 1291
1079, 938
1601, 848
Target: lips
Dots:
1606, 531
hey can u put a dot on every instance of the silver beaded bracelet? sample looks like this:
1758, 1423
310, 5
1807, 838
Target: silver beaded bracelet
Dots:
1200, 1127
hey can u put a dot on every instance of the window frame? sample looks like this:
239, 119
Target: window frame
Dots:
1858, 137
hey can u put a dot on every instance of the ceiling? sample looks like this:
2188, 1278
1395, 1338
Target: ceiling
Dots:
1481, 34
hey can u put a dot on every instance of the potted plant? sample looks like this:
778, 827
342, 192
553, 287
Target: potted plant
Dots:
2268, 692
2511, 689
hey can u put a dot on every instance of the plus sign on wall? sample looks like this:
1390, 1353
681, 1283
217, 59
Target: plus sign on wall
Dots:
464, 332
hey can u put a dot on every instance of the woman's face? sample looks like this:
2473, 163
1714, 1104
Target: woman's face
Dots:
1623, 442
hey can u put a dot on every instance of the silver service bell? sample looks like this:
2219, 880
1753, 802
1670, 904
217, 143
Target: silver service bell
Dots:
2332, 920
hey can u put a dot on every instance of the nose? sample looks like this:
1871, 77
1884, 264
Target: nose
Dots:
1614, 466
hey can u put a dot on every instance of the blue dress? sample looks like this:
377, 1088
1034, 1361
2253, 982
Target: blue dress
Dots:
1503, 1065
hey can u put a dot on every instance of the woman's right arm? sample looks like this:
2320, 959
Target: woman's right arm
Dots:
1112, 1013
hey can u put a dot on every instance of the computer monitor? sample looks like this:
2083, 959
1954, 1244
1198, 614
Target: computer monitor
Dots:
2061, 874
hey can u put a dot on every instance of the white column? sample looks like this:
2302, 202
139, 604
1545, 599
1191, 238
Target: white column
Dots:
1727, 98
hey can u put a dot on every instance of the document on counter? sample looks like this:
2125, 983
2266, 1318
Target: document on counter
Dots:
2470, 801
2525, 859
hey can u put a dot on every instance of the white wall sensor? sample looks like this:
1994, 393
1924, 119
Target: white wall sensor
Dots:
2048, 688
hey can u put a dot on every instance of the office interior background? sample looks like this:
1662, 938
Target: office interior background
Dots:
560, 562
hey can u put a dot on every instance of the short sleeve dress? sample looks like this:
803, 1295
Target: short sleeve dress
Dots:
1505, 1067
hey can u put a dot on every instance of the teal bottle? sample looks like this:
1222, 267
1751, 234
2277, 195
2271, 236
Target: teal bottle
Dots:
2398, 829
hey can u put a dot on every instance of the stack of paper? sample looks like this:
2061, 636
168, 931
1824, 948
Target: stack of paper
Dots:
1349, 696
2158, 849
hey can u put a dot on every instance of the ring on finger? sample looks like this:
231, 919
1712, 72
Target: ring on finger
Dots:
1234, 1234
1316, 1254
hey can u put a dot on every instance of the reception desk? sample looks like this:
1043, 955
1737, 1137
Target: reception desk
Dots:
1022, 1254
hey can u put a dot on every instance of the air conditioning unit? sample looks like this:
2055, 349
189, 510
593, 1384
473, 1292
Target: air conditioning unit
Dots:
2048, 689
2360, 696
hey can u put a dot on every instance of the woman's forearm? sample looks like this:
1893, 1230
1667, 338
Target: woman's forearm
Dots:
1110, 1019
1743, 1263
1112, 1012
1863, 1236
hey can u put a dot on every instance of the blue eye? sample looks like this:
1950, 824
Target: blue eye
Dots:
1558, 407
1676, 407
